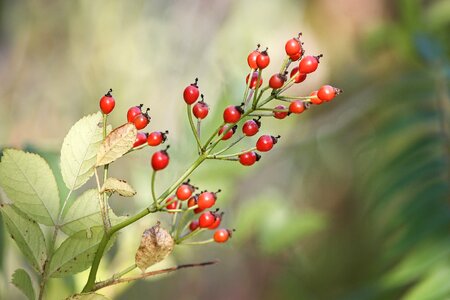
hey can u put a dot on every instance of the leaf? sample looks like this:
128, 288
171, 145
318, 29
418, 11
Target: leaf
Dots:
85, 213
22, 281
116, 144
27, 234
89, 296
28, 181
79, 150
76, 253
112, 185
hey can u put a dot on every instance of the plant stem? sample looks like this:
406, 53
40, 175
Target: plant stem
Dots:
189, 235
194, 131
198, 242
124, 272
103, 207
109, 282
152, 187
214, 156
231, 145
106, 220
255, 98
51, 250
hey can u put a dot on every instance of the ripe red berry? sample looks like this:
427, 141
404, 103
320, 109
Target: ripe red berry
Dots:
172, 205
156, 138
309, 64
185, 191
314, 99
141, 138
206, 200
263, 60
200, 110
280, 114
133, 112
277, 81
217, 221
251, 59
293, 47
266, 142
141, 121
191, 93
299, 77
296, 56
192, 202
251, 127
254, 80
249, 158
193, 225
160, 160
297, 107
222, 235
206, 219
107, 103
229, 133
327, 93
232, 114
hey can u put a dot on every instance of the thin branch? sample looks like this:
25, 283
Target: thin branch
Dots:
109, 282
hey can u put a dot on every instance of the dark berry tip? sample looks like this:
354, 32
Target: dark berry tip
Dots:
258, 156
258, 46
234, 128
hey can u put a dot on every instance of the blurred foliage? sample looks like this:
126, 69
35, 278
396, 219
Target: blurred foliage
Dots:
354, 202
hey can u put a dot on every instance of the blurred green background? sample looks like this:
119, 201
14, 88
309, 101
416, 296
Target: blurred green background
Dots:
354, 201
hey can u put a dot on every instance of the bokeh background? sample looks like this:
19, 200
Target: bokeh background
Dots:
354, 201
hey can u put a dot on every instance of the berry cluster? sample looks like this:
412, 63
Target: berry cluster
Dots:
196, 215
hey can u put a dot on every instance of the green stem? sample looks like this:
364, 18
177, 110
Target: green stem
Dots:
106, 221
255, 95
180, 224
247, 88
231, 145
199, 242
194, 131
124, 272
189, 235
214, 156
155, 201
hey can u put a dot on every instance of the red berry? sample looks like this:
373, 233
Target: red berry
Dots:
141, 138
133, 112
309, 64
280, 114
191, 93
173, 205
185, 191
314, 99
277, 81
141, 121
297, 107
232, 114
249, 158
107, 103
253, 80
222, 235
293, 47
327, 93
192, 202
296, 56
156, 138
206, 219
206, 200
193, 225
217, 221
266, 142
229, 133
299, 77
160, 160
200, 110
263, 60
251, 127
251, 59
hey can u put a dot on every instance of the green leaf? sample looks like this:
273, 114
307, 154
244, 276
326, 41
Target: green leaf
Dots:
28, 181
76, 253
27, 234
85, 213
89, 296
22, 281
121, 187
79, 150
116, 144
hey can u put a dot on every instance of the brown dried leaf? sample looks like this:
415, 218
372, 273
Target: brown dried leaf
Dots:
113, 185
156, 245
116, 144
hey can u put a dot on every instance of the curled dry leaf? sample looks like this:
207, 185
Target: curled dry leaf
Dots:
156, 244
116, 144
121, 187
